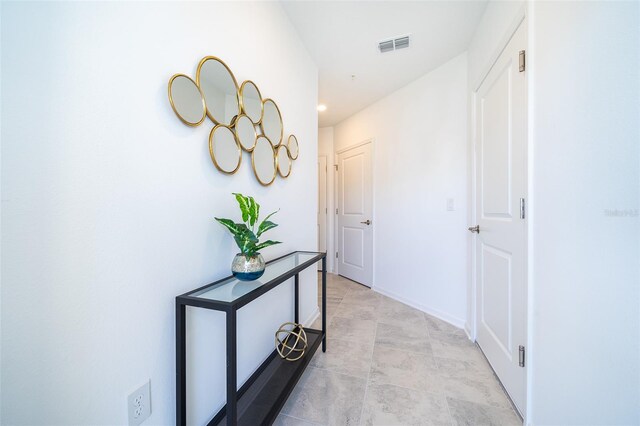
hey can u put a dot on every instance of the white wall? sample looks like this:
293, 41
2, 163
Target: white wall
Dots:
325, 147
420, 160
585, 111
108, 203
584, 281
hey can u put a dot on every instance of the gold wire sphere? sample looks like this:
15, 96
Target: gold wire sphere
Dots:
291, 341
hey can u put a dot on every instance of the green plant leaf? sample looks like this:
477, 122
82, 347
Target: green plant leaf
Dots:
265, 226
254, 211
230, 225
266, 244
243, 202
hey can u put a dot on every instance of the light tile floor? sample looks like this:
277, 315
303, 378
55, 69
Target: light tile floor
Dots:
389, 364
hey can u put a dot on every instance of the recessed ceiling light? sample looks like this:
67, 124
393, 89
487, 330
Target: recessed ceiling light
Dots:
322, 107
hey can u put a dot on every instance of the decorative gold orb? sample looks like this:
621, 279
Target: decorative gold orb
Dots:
291, 341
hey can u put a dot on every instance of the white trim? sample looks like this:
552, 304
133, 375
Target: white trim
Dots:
347, 148
502, 44
456, 322
314, 316
328, 247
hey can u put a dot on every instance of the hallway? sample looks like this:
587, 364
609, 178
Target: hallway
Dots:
389, 364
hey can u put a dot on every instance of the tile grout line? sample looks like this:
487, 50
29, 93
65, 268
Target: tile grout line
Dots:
366, 384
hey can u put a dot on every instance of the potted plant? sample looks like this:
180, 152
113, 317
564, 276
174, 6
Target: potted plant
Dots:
249, 264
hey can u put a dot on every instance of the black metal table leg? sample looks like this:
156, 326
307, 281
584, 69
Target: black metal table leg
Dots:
324, 304
232, 372
181, 365
297, 296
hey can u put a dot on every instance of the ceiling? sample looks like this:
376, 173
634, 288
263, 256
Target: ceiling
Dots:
342, 37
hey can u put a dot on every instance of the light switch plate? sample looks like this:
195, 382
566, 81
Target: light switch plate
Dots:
450, 205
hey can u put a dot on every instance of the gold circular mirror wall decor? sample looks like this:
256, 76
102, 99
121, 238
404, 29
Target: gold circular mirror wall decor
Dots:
251, 101
263, 160
245, 133
284, 162
292, 144
224, 149
186, 100
272, 122
220, 90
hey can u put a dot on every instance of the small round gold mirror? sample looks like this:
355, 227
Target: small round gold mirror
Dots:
245, 133
186, 100
284, 162
251, 101
263, 160
272, 122
292, 144
220, 90
224, 149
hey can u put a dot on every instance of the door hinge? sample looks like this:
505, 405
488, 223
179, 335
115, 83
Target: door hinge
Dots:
336, 255
521, 61
326, 210
336, 211
522, 208
336, 166
521, 356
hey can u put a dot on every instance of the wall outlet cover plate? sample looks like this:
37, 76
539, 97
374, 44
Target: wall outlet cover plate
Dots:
139, 404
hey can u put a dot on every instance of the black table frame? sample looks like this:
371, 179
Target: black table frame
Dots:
230, 410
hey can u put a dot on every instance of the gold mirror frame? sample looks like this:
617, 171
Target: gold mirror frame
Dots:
235, 82
288, 157
275, 163
237, 133
289, 147
242, 107
213, 157
173, 105
281, 123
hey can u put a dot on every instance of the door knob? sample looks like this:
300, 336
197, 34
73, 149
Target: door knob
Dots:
367, 222
475, 229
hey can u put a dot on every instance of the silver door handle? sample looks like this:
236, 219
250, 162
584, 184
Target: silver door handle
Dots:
367, 222
475, 229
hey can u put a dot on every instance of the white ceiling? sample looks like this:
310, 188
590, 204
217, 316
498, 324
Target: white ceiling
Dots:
342, 38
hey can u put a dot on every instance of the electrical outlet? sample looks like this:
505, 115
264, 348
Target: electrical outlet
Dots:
139, 404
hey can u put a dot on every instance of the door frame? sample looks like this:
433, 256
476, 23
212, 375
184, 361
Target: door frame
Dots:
326, 201
336, 194
520, 19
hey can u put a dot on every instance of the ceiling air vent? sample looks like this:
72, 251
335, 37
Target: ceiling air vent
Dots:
393, 44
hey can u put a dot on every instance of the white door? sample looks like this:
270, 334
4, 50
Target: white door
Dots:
355, 214
322, 206
501, 131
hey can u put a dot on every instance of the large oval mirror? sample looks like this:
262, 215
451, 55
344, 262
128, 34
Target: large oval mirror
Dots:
272, 122
263, 160
292, 144
245, 133
220, 90
224, 149
284, 162
251, 101
186, 100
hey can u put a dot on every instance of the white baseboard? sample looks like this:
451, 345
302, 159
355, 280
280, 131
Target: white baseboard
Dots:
314, 316
467, 329
456, 322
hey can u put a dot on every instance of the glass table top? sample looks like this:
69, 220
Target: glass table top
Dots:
232, 288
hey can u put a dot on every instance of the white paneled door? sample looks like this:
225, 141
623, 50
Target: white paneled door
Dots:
500, 244
355, 214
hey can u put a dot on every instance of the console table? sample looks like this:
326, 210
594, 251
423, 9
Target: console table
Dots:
262, 396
